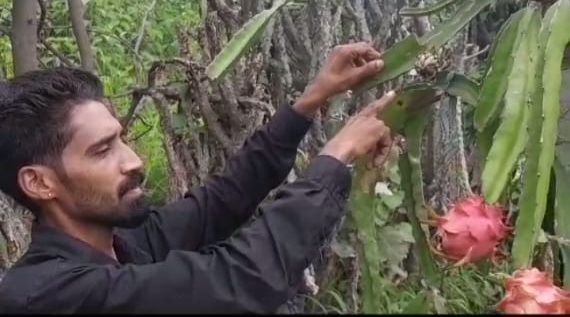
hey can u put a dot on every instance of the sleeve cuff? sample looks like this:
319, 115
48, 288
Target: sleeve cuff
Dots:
332, 173
287, 125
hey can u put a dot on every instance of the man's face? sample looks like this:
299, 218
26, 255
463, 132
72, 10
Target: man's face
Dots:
101, 175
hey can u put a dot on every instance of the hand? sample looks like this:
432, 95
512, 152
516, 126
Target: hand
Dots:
363, 134
347, 67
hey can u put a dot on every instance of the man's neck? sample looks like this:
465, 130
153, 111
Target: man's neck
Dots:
98, 237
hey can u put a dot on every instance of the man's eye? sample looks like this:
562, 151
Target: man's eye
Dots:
103, 151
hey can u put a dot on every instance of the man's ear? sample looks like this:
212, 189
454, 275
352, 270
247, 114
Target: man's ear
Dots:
37, 182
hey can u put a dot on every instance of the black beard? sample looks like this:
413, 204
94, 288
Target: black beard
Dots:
136, 213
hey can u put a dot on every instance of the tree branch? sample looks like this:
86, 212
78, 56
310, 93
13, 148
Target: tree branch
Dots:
201, 93
58, 54
43, 16
76, 11
143, 26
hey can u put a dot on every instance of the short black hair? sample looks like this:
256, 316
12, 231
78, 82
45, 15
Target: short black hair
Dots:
34, 120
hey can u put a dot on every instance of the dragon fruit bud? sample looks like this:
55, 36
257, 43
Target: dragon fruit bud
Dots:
530, 291
471, 231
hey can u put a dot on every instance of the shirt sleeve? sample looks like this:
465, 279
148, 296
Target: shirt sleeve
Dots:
254, 271
212, 212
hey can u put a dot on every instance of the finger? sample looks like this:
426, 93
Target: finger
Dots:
359, 62
378, 106
365, 71
386, 152
349, 52
364, 50
386, 139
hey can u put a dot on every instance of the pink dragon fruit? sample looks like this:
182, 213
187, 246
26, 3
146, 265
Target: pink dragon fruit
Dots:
530, 291
470, 232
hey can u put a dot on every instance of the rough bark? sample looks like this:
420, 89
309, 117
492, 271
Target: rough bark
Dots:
450, 168
76, 13
14, 232
24, 35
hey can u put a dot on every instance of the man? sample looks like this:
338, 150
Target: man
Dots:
96, 248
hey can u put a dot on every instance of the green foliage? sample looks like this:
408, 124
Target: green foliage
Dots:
115, 29
553, 39
511, 136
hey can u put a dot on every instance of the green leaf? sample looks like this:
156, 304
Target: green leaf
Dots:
419, 305
382, 214
394, 242
244, 39
553, 39
495, 82
393, 201
511, 136
430, 9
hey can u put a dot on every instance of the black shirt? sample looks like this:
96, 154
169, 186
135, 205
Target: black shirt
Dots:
191, 256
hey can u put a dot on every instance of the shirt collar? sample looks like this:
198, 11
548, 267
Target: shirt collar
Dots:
49, 241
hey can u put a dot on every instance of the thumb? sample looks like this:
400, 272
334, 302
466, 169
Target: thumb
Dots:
376, 108
367, 70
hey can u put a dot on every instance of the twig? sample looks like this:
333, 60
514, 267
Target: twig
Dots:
59, 55
143, 26
136, 102
140, 135
206, 109
43, 16
559, 240
468, 57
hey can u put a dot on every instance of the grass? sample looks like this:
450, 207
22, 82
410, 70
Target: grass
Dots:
466, 290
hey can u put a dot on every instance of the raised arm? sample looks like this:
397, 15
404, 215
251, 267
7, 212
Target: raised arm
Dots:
228, 199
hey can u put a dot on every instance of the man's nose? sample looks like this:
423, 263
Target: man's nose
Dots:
131, 161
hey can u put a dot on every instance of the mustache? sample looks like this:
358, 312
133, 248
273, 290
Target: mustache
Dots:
134, 180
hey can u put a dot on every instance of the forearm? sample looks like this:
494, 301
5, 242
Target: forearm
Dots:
262, 164
310, 102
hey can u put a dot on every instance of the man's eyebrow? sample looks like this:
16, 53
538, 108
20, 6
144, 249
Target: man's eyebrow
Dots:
95, 146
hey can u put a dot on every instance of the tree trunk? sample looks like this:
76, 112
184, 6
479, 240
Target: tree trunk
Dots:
24, 35
14, 232
451, 179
